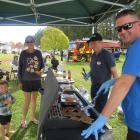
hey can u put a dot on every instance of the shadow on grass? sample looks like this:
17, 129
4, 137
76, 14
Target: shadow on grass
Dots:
25, 133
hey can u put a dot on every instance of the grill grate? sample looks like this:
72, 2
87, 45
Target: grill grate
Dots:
55, 111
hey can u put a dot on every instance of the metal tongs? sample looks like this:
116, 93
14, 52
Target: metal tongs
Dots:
91, 104
84, 72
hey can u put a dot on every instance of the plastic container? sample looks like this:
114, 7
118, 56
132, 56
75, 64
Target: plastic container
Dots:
64, 74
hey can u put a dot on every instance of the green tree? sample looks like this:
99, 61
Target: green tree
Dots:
74, 33
107, 28
53, 39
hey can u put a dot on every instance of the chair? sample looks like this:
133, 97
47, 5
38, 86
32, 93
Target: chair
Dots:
14, 70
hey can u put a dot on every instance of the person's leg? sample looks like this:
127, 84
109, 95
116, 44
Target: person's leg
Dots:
132, 135
36, 85
7, 126
27, 99
93, 91
2, 132
101, 101
33, 103
6, 131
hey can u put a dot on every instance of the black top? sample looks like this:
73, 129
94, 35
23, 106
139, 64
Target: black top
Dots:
101, 66
28, 64
54, 63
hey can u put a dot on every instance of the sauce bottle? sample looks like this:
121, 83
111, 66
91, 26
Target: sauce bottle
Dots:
69, 74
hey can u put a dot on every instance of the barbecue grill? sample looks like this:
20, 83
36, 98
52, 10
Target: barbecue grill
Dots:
64, 113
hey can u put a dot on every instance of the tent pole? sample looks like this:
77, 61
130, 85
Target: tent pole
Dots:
94, 28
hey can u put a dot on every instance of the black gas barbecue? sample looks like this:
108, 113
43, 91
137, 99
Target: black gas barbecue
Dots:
64, 113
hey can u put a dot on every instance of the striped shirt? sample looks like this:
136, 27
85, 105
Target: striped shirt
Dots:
4, 109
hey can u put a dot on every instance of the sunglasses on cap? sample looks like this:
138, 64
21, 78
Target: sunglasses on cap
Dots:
126, 26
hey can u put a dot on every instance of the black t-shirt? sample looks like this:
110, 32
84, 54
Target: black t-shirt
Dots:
28, 64
54, 63
101, 66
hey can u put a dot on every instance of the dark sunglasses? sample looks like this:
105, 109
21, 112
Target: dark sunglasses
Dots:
126, 26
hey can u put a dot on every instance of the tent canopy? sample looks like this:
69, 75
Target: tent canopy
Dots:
58, 12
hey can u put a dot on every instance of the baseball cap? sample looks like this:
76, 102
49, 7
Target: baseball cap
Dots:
29, 39
95, 37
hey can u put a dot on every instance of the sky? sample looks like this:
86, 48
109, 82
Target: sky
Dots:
17, 33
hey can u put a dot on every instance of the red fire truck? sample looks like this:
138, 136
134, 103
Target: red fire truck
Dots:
80, 50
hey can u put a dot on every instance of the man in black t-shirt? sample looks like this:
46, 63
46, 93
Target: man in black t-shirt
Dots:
54, 63
102, 68
62, 55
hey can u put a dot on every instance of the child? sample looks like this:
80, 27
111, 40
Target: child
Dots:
6, 101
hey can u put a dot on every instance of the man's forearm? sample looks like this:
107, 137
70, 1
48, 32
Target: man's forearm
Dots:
118, 93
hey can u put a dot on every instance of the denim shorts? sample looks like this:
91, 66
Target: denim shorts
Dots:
31, 86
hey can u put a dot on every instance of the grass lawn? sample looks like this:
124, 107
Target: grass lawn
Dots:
116, 121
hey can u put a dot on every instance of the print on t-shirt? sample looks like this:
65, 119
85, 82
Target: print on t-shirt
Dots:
32, 64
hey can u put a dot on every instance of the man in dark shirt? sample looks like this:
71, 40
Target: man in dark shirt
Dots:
61, 54
102, 68
54, 62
